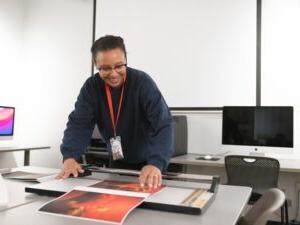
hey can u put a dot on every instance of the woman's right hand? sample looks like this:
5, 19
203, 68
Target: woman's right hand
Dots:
70, 166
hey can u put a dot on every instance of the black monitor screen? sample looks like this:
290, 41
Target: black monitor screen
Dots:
258, 126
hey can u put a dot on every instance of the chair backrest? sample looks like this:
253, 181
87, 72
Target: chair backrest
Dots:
252, 171
261, 211
181, 134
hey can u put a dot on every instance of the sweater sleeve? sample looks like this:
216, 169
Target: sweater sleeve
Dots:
79, 126
161, 125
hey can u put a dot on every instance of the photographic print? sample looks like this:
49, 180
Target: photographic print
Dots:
92, 204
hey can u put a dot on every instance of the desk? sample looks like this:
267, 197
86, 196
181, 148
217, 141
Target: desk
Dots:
289, 176
290, 165
225, 210
26, 151
15, 189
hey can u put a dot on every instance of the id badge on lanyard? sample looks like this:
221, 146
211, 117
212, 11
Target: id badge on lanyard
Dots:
116, 148
115, 142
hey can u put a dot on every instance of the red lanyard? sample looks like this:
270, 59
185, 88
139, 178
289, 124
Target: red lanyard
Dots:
110, 105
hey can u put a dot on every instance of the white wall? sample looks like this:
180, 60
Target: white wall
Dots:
11, 47
11, 34
280, 81
204, 131
201, 53
281, 57
54, 63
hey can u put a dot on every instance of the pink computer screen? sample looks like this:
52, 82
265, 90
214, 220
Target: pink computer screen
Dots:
7, 115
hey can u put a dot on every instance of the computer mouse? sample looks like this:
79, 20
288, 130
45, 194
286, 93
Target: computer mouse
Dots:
207, 157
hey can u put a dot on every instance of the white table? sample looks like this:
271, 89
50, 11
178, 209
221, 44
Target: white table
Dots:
289, 165
225, 210
26, 151
15, 189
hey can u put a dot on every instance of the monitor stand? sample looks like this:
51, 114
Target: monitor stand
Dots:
7, 142
257, 153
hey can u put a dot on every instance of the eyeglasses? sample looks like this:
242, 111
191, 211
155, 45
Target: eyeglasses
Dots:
108, 70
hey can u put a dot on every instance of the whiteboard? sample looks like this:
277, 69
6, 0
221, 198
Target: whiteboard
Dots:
201, 53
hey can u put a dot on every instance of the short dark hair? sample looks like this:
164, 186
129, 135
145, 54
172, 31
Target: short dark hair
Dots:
108, 42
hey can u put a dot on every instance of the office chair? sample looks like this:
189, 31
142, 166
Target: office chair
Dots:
260, 173
180, 134
180, 141
262, 210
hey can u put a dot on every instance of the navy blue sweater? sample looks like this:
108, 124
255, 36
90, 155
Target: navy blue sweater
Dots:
145, 123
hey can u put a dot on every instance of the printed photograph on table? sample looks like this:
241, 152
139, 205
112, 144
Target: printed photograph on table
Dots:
101, 207
126, 186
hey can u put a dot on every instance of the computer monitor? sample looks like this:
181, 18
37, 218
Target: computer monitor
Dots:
269, 126
7, 117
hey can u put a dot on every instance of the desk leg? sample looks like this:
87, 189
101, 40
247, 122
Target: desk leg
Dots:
26, 157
